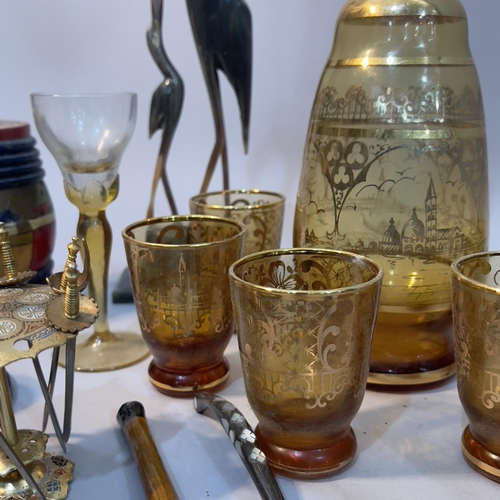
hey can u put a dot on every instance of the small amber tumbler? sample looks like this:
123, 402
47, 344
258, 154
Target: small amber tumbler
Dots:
260, 212
305, 320
179, 272
476, 320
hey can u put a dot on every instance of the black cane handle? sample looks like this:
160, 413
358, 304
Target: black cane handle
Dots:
132, 419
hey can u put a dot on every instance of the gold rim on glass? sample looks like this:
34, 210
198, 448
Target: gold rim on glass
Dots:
196, 200
126, 233
472, 283
305, 251
366, 9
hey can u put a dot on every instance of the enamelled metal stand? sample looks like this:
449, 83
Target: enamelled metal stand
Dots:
35, 318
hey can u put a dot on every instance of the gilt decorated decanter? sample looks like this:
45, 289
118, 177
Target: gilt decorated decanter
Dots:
395, 168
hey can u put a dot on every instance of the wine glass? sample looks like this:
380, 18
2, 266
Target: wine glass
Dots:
87, 134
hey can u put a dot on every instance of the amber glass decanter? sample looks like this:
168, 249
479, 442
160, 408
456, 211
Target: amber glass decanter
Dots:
395, 168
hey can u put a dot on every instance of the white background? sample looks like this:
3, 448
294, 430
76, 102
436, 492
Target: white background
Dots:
408, 443
100, 46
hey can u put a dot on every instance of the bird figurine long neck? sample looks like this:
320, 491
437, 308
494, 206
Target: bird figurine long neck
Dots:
155, 42
166, 104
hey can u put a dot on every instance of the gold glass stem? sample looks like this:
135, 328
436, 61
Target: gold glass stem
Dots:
96, 230
7, 419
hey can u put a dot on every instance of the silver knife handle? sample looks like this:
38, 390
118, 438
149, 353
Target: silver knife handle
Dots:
244, 441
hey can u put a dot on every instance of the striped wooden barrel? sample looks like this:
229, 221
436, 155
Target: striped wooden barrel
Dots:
25, 204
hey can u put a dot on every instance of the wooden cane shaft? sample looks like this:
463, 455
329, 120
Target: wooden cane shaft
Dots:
154, 479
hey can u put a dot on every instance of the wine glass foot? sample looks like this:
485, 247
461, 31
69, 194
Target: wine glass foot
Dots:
111, 351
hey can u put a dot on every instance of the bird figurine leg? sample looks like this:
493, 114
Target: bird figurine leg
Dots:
225, 165
220, 133
223, 33
160, 173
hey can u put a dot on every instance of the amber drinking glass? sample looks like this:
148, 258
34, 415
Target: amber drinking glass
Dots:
87, 135
260, 212
305, 321
476, 320
395, 168
179, 271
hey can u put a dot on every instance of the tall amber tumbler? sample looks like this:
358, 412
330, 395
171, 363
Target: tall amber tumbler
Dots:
476, 320
305, 320
179, 271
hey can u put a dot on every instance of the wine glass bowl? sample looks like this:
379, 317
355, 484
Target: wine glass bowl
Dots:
87, 134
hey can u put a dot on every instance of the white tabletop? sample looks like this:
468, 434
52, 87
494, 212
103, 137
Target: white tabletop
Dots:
408, 443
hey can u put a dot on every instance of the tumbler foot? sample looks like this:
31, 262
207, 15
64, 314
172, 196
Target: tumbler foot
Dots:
479, 458
310, 464
186, 383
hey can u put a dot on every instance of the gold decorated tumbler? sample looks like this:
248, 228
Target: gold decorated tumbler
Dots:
260, 212
476, 320
305, 320
179, 271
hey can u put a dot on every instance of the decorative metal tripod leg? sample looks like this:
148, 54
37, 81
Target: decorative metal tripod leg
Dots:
69, 389
52, 383
70, 380
69, 312
48, 402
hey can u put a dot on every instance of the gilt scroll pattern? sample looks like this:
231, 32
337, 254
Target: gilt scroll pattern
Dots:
179, 288
477, 333
262, 219
413, 105
315, 347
